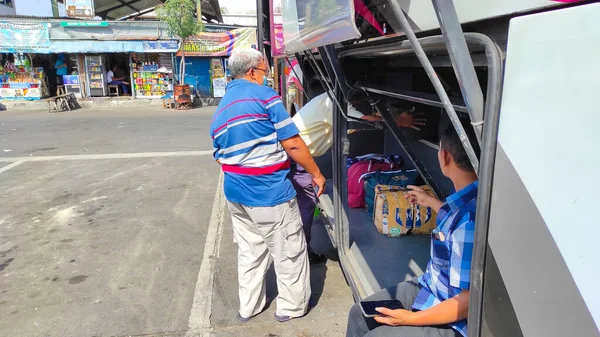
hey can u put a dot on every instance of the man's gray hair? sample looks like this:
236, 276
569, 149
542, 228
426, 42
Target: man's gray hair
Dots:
242, 60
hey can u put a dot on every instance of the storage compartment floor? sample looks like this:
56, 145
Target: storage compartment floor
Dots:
383, 261
387, 261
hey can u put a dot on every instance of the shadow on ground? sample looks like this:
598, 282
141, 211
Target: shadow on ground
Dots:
318, 273
331, 296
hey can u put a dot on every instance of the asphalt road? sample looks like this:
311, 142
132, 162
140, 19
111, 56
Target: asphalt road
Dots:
112, 223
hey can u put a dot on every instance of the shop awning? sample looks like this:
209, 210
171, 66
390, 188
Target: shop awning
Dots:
81, 46
116, 9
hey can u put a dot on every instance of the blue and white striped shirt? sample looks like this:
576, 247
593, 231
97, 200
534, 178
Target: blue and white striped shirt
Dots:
247, 131
449, 270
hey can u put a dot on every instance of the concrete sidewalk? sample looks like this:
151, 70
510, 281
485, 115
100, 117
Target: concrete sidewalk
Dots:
95, 103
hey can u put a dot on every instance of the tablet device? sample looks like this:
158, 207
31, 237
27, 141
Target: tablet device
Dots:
368, 307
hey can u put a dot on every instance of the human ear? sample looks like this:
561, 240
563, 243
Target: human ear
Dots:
445, 158
253, 76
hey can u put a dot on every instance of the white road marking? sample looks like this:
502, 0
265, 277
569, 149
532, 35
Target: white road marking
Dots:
94, 199
199, 321
107, 156
8, 167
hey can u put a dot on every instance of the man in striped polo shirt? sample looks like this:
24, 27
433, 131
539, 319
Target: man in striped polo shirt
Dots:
254, 139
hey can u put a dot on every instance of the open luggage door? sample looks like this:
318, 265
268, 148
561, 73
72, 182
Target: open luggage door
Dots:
309, 24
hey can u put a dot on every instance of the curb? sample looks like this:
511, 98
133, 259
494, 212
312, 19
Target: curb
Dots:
94, 103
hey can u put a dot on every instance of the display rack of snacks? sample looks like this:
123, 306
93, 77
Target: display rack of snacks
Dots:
152, 75
95, 73
21, 81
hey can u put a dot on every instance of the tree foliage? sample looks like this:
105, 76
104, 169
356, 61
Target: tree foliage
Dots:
179, 16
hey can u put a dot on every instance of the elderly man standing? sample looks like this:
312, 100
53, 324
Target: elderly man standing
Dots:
254, 138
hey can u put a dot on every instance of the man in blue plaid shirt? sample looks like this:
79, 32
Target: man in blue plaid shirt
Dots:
436, 303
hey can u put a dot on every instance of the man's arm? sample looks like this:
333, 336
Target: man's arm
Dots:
371, 118
405, 119
298, 151
451, 310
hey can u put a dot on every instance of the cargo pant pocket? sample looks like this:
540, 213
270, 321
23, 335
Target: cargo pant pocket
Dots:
295, 244
294, 237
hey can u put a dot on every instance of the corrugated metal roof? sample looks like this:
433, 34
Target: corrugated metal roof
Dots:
82, 46
35, 18
115, 9
116, 30
241, 20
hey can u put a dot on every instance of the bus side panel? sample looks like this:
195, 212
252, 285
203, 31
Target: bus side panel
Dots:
541, 288
543, 220
498, 315
423, 15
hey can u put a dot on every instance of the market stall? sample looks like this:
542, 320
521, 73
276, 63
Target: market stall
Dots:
20, 77
152, 74
20, 80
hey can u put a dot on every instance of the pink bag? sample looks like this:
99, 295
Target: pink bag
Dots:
356, 190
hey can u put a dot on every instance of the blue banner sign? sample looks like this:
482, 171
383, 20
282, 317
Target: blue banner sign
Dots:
24, 37
166, 46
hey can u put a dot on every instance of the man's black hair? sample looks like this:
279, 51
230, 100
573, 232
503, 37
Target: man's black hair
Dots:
450, 143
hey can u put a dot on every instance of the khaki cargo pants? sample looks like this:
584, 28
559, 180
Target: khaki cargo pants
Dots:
262, 234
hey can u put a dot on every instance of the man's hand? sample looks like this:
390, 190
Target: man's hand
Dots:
394, 317
418, 196
411, 120
449, 311
319, 182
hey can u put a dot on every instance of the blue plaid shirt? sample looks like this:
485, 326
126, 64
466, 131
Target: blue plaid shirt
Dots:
448, 271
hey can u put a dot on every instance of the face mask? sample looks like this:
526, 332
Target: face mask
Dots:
265, 82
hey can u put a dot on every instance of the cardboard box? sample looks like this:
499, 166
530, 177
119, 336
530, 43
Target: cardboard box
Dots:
395, 216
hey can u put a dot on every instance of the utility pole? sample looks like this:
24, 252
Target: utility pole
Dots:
199, 11
54, 4
260, 25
